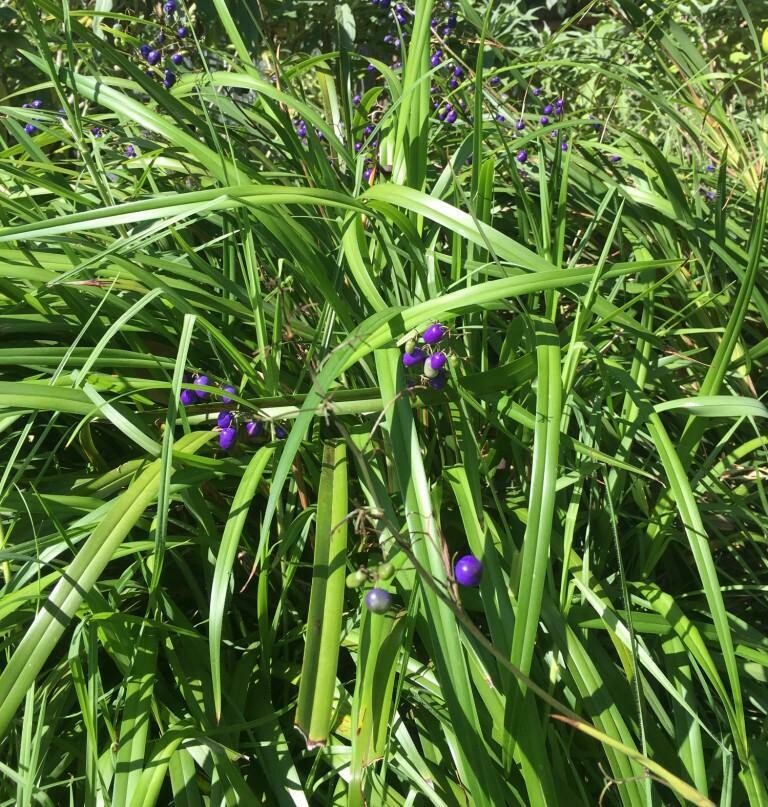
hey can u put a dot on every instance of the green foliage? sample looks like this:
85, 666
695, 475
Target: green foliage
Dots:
172, 608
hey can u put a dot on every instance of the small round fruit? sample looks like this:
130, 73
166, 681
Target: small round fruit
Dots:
169, 7
153, 57
254, 428
410, 346
228, 438
433, 334
385, 571
522, 156
188, 397
177, 58
281, 432
438, 382
468, 570
203, 381
413, 358
229, 390
378, 601
357, 578
224, 420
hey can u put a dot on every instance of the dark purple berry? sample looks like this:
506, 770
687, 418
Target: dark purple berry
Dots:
228, 438
437, 360
433, 334
709, 168
96, 131
451, 116
229, 390
254, 428
453, 84
468, 570
281, 432
188, 397
522, 156
37, 104
203, 381
224, 420
413, 358
181, 32
378, 601
564, 146
356, 99
30, 128
548, 109
519, 124
169, 80
438, 382
436, 58
160, 38
144, 50
177, 58
130, 151
495, 81
153, 57
458, 71
614, 158
536, 91
169, 7
543, 120
499, 119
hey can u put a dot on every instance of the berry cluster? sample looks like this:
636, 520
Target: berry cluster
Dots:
432, 363
154, 54
226, 420
467, 571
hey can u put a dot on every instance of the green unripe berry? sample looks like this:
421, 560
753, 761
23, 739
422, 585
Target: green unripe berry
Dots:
356, 579
410, 346
385, 571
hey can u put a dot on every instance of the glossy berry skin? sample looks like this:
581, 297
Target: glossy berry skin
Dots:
564, 146
451, 116
153, 57
436, 58
495, 81
169, 80
522, 156
520, 125
229, 390
543, 120
224, 420
188, 397
413, 358
536, 91
204, 381
177, 58
433, 334
169, 7
468, 570
437, 360
228, 438
37, 104
281, 433
548, 109
181, 32
254, 428
378, 601
30, 128
144, 50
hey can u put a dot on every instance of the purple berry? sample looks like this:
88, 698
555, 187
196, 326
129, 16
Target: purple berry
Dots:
356, 99
433, 334
499, 119
495, 81
130, 151
144, 50
169, 7
224, 420
458, 71
438, 382
37, 104
519, 124
188, 397
709, 168
181, 32
548, 109
564, 146
378, 601
30, 128
453, 84
229, 390
203, 381
522, 156
436, 58
543, 120
468, 571
437, 360
614, 158
153, 57
177, 58
413, 358
536, 91
160, 38
281, 432
228, 438
96, 131
451, 116
254, 428
169, 80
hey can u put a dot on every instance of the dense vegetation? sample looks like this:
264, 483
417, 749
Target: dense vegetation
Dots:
281, 199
